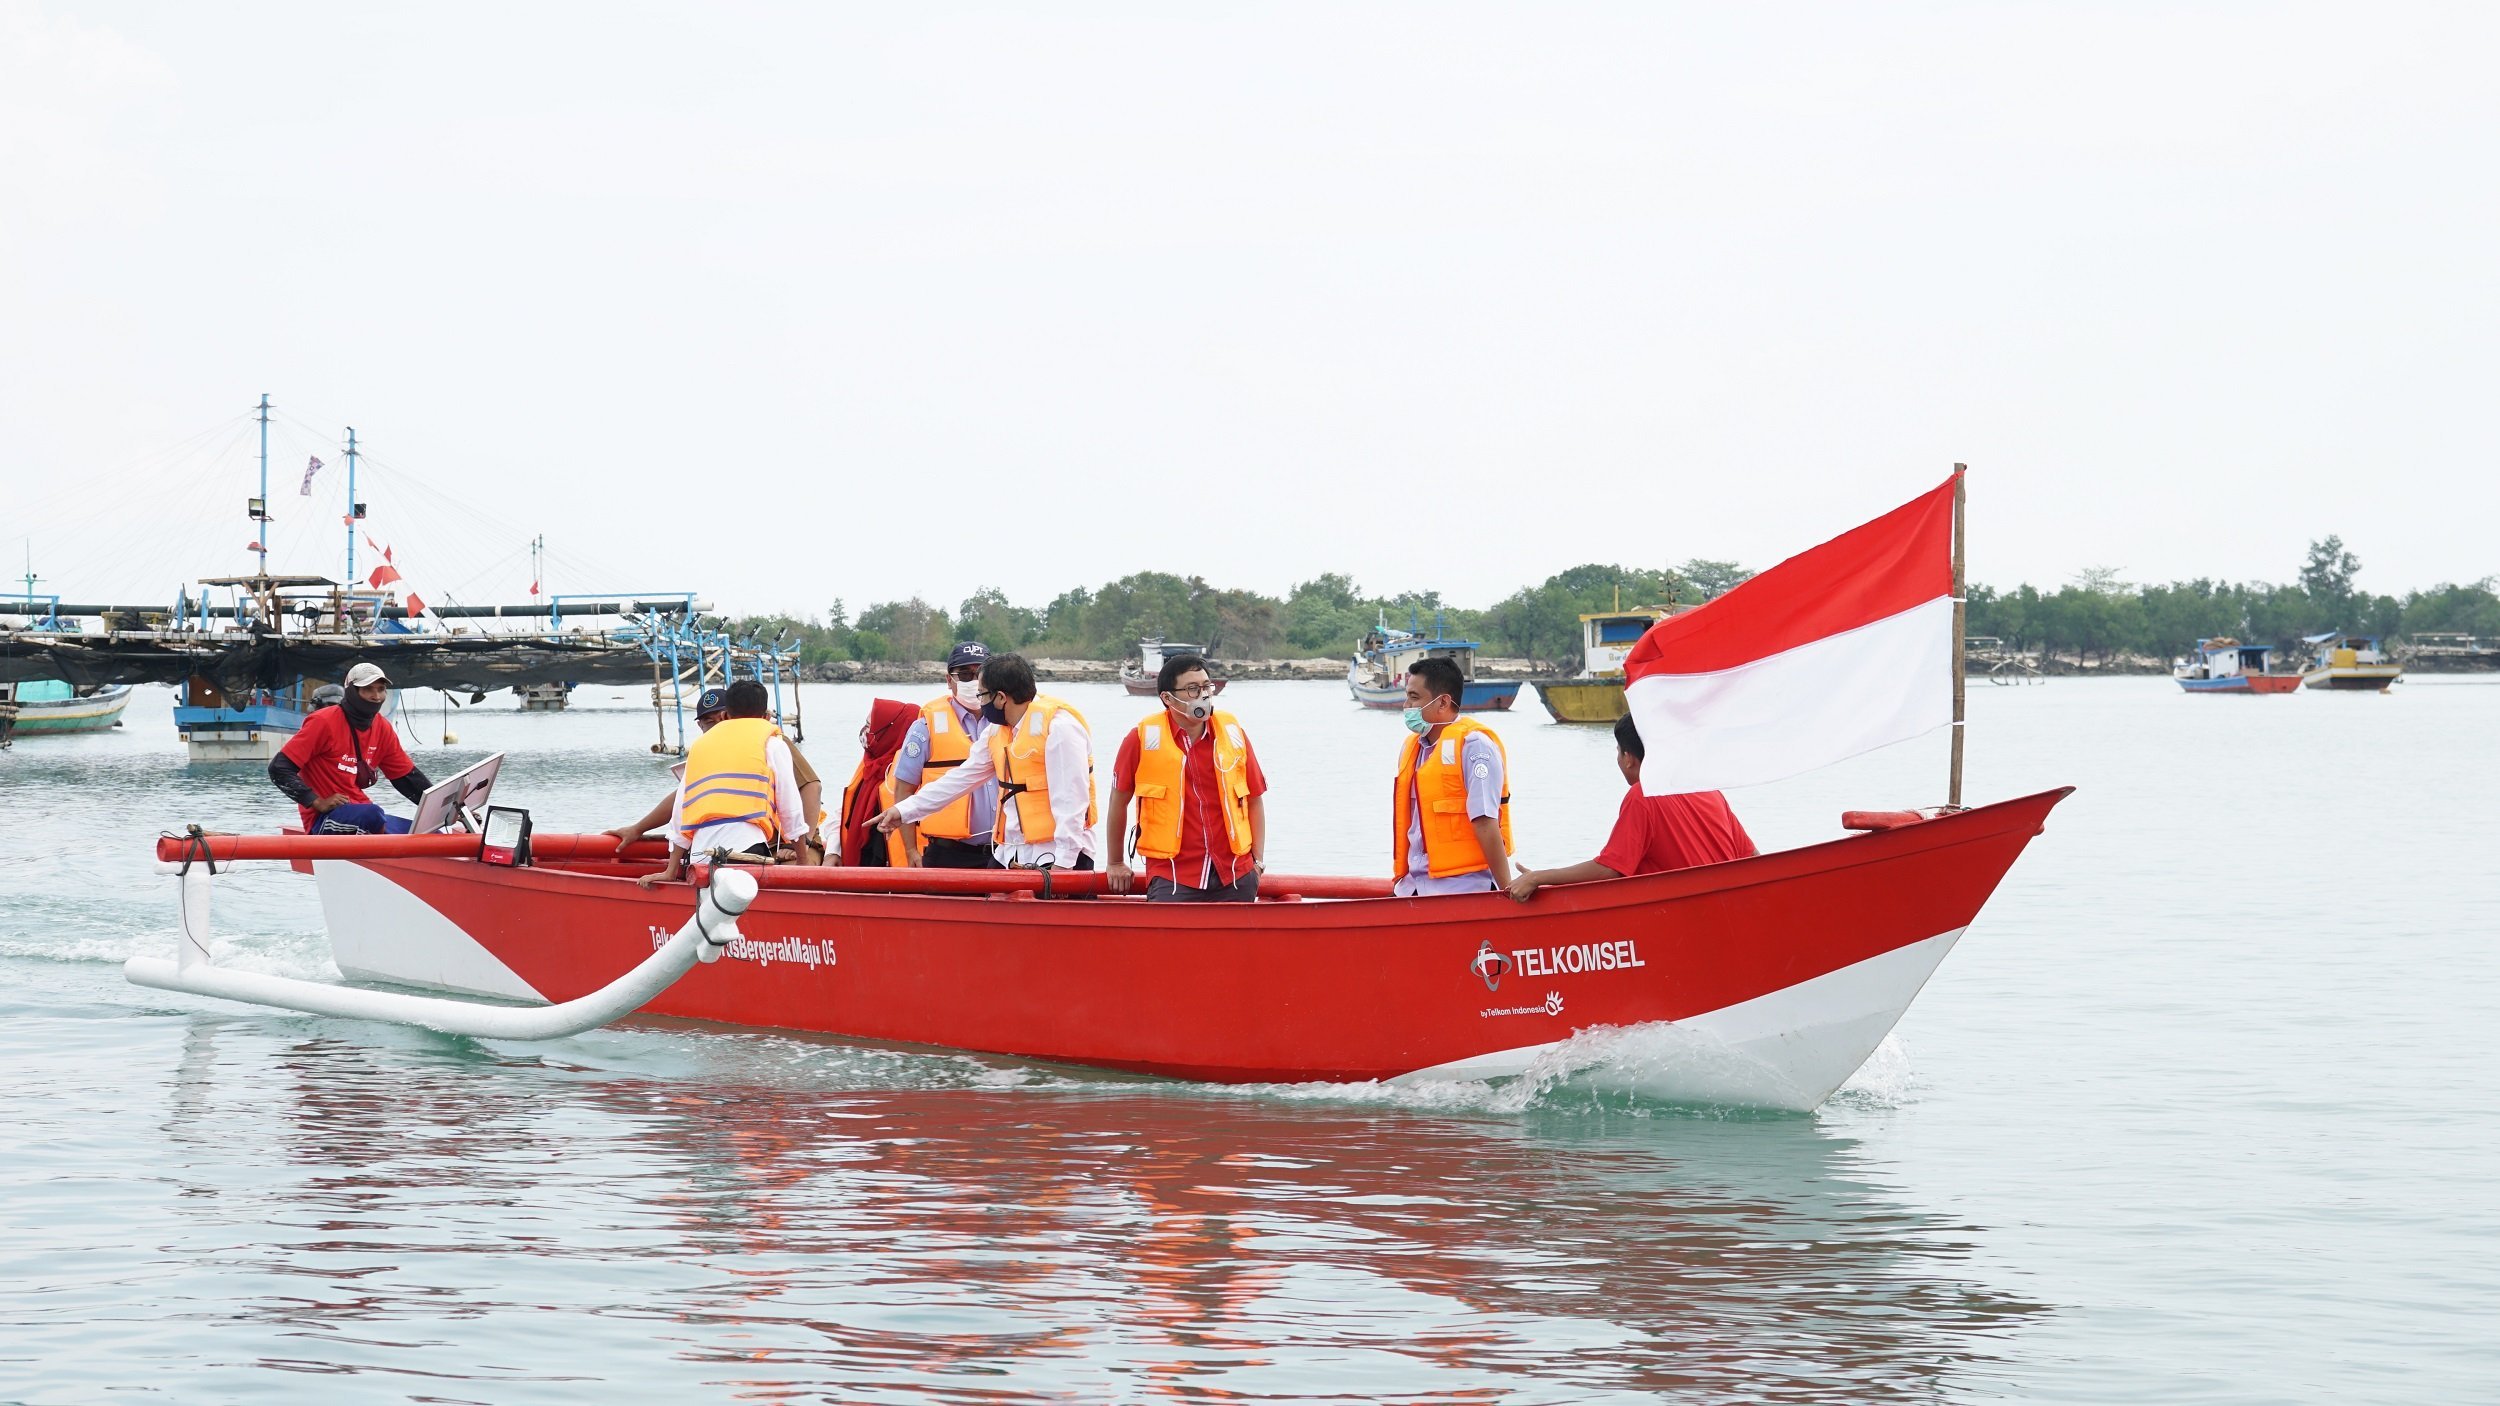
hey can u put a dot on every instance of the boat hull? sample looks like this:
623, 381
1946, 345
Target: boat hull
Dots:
1582, 700
2353, 678
1144, 687
1481, 696
1782, 972
99, 712
248, 734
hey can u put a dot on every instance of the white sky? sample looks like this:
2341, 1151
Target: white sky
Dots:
790, 303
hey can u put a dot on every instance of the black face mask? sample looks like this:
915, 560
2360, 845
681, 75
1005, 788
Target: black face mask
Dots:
995, 714
360, 713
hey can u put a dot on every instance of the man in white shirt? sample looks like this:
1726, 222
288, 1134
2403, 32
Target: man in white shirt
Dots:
1041, 754
740, 791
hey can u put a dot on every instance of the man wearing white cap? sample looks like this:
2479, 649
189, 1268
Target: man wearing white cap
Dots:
327, 765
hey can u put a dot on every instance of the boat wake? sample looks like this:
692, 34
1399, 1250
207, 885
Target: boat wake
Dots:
1640, 1069
303, 955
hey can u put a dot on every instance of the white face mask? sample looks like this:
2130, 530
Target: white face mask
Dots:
1194, 709
968, 692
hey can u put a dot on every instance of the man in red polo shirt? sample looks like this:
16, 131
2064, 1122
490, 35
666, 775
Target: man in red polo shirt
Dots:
1653, 834
1201, 816
326, 766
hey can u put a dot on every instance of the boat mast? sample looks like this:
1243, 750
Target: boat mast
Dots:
260, 538
355, 509
1961, 603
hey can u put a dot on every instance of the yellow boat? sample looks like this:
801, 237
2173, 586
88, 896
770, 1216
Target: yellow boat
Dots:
1595, 695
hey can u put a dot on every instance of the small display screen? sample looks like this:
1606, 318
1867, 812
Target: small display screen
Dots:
503, 827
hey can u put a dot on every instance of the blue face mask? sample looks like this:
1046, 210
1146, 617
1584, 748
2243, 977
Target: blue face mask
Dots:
1415, 721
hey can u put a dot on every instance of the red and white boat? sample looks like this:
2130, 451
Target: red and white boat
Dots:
1774, 978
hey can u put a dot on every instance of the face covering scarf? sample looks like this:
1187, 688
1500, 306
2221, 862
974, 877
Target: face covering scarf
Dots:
889, 723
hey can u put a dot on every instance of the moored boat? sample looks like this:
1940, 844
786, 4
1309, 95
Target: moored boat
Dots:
1596, 694
56, 706
2348, 664
1139, 675
1778, 974
2224, 665
1377, 676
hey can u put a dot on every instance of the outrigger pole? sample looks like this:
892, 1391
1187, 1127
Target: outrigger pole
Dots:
1961, 604
703, 938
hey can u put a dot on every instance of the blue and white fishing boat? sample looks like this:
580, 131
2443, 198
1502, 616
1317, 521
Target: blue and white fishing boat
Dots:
2225, 665
1377, 676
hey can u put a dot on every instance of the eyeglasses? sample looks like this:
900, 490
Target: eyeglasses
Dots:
970, 673
1194, 691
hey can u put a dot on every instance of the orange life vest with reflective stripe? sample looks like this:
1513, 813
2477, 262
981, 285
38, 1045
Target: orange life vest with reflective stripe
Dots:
1438, 778
1024, 772
948, 746
1163, 784
728, 778
891, 839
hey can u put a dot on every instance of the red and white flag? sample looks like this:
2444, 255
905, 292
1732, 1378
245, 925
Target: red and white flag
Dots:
1838, 650
388, 574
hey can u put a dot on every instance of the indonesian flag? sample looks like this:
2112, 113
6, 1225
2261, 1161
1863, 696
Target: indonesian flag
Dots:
1838, 650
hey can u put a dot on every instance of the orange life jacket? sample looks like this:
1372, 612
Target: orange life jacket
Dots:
1438, 778
1024, 772
891, 839
1163, 784
948, 746
728, 778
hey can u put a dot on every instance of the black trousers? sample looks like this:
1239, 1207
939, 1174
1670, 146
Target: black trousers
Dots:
936, 853
1242, 890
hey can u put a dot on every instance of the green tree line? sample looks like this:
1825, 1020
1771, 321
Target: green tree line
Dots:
2099, 617
2095, 616
1321, 617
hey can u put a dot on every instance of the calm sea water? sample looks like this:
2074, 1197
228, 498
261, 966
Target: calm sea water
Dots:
2203, 1110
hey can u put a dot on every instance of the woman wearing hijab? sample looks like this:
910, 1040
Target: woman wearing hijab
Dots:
871, 789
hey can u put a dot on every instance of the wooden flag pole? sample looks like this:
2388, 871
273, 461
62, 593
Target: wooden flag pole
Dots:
1961, 604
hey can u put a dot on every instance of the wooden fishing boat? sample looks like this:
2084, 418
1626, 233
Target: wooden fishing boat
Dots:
55, 706
1595, 695
1140, 675
2225, 665
1377, 675
2349, 664
1772, 979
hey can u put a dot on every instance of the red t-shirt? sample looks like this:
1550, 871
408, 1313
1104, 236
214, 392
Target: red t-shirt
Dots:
1189, 868
1654, 834
327, 751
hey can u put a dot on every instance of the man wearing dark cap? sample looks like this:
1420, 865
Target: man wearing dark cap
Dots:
958, 835
326, 766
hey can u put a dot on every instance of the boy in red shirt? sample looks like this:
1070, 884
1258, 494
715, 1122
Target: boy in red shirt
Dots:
1652, 834
325, 767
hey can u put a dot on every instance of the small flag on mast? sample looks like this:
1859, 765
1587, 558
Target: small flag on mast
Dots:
1839, 650
309, 470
